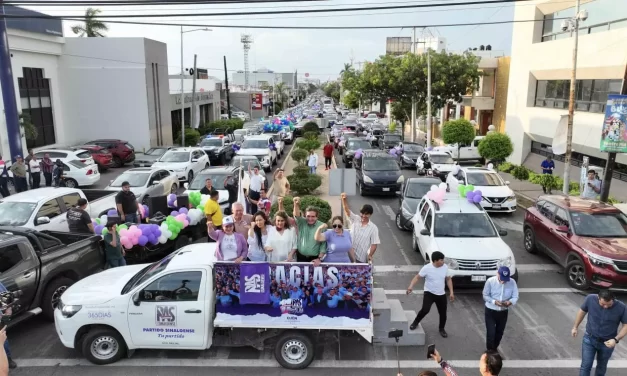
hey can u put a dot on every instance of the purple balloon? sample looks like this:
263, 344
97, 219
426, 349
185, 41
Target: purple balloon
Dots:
152, 239
183, 210
143, 239
157, 232
112, 213
476, 199
146, 211
98, 229
470, 195
478, 193
172, 196
174, 213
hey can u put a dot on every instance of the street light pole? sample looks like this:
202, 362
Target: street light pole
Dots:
413, 97
574, 24
428, 98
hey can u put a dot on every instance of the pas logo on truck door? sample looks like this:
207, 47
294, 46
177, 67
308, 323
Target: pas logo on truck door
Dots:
166, 316
255, 283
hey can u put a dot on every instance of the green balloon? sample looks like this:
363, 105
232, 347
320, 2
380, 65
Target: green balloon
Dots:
105, 231
471, 187
97, 220
122, 226
460, 189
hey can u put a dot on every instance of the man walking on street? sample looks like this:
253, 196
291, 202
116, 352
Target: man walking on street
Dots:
19, 175
4, 179
499, 293
605, 313
365, 234
127, 204
47, 166
328, 154
436, 276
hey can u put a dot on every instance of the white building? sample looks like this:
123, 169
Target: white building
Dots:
207, 103
540, 72
261, 78
81, 89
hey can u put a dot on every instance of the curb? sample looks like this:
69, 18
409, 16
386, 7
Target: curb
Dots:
269, 194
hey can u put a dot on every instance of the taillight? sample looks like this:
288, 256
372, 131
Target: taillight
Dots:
89, 172
83, 160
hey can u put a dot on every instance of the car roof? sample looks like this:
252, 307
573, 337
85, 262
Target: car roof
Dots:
377, 154
220, 170
143, 170
434, 152
579, 204
477, 169
36, 195
66, 149
89, 146
455, 204
188, 149
421, 180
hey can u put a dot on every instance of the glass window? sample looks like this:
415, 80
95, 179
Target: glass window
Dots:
428, 219
182, 286
539, 204
600, 90
561, 217
417, 190
147, 272
71, 200
600, 12
541, 89
49, 209
548, 210
135, 179
24, 103
175, 157
458, 225
590, 95
45, 102
383, 164
10, 256
484, 179
600, 225
14, 213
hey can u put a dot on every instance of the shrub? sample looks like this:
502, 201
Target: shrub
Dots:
311, 126
479, 165
304, 184
192, 137
458, 132
521, 173
300, 156
308, 144
534, 178
506, 167
323, 207
549, 181
301, 170
231, 124
311, 135
496, 147
612, 200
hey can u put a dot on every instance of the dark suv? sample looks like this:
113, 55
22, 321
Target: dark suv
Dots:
586, 237
388, 141
378, 172
122, 151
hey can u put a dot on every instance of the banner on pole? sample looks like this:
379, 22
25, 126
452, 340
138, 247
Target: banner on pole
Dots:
262, 294
614, 131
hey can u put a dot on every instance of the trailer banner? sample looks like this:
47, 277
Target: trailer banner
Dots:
294, 294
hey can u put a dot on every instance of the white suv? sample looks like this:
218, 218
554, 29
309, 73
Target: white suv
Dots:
185, 163
465, 234
497, 195
70, 154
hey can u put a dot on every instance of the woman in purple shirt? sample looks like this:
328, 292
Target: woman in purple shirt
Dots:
230, 245
339, 242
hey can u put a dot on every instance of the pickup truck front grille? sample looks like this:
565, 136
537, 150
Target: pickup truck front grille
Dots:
478, 265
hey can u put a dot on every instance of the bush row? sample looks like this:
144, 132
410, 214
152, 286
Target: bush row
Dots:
324, 209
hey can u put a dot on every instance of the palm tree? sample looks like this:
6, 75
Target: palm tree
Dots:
347, 67
93, 27
281, 92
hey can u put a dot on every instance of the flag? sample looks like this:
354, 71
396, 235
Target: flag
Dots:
559, 141
241, 198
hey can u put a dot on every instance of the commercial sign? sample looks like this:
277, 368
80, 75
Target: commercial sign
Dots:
202, 74
34, 25
264, 294
200, 97
256, 101
614, 131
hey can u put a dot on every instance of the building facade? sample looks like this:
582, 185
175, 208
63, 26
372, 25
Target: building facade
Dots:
540, 71
263, 78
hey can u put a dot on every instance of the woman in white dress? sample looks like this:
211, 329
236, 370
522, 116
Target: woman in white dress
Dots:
281, 245
258, 237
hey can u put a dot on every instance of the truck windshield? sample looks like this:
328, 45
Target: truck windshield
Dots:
255, 144
147, 272
16, 213
211, 142
156, 151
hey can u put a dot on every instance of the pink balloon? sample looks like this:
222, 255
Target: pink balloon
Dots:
123, 238
127, 245
181, 217
185, 223
123, 233
134, 241
438, 200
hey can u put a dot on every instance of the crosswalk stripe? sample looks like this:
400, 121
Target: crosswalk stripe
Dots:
353, 364
522, 268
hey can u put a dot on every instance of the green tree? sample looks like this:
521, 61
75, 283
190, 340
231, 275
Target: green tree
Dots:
332, 89
458, 132
281, 94
311, 88
192, 137
30, 131
496, 147
300, 156
92, 27
401, 110
351, 100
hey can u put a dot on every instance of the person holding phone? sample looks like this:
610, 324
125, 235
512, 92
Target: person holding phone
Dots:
6, 357
499, 293
592, 188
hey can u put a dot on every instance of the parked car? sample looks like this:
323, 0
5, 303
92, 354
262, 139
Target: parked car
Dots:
75, 174
101, 156
122, 151
378, 172
46, 208
464, 232
409, 196
464, 152
586, 237
184, 162
150, 156
67, 154
43, 265
146, 182
497, 195
219, 149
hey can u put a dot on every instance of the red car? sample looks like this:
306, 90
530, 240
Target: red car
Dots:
586, 237
121, 150
102, 156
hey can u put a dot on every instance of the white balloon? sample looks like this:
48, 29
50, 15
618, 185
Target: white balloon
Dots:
434, 188
162, 239
490, 166
443, 186
455, 170
103, 219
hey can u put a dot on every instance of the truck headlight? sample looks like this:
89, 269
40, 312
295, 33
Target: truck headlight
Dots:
598, 260
406, 212
451, 263
507, 261
368, 180
401, 179
69, 310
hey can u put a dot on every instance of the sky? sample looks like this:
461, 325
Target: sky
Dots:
321, 53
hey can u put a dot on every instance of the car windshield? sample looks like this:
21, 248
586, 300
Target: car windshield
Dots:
254, 144
413, 148
133, 178
350, 121
418, 190
217, 179
387, 138
358, 144
441, 159
211, 142
240, 131
147, 273
484, 179
600, 225
460, 225
16, 213
175, 156
380, 164
157, 152
244, 161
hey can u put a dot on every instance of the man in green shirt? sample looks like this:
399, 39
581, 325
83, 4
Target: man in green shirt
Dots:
308, 249
19, 174
113, 248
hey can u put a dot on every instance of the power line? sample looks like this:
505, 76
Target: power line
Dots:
148, 2
248, 13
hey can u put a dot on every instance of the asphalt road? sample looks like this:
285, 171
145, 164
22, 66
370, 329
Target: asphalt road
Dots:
537, 340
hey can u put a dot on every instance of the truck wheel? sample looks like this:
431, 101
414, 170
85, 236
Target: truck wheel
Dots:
294, 350
103, 346
576, 275
52, 295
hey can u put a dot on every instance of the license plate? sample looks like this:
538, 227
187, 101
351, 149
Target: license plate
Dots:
386, 189
143, 165
496, 206
477, 278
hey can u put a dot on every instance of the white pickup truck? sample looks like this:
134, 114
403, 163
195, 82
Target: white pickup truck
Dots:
190, 301
463, 152
46, 208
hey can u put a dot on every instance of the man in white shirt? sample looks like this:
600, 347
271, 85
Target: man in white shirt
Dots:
436, 276
592, 188
254, 189
499, 293
364, 232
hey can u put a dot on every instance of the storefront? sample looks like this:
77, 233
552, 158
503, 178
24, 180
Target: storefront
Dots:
206, 109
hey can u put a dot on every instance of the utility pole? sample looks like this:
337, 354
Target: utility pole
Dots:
182, 94
193, 109
14, 133
428, 98
413, 98
226, 82
611, 159
571, 101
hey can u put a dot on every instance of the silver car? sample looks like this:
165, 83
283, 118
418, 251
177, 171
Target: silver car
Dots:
150, 156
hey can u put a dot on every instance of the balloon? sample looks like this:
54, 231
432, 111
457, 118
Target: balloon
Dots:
183, 210
98, 229
172, 197
186, 223
443, 186
476, 199
122, 226
163, 239
112, 213
133, 229
123, 233
134, 240
103, 219
478, 192
455, 170
97, 220
469, 195
157, 232
461, 189
146, 211
470, 186
174, 213
123, 239
490, 166
433, 188
128, 244
142, 240
105, 231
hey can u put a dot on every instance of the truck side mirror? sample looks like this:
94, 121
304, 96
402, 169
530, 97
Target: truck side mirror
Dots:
42, 221
136, 299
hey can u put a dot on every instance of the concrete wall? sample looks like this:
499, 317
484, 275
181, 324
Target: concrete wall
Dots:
602, 55
158, 93
243, 101
500, 94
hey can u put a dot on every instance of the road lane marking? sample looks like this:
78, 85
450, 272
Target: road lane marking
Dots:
556, 290
398, 244
522, 268
352, 364
387, 209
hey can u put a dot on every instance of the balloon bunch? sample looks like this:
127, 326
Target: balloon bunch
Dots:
102, 221
437, 193
172, 226
194, 199
358, 153
112, 213
172, 201
394, 152
465, 189
195, 216
130, 236
272, 127
144, 211
272, 146
235, 147
474, 196
203, 202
